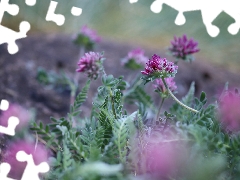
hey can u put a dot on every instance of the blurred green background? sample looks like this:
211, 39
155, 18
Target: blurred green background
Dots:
135, 24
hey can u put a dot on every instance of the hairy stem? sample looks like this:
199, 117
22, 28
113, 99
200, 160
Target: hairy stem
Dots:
73, 93
45, 143
76, 78
159, 109
176, 99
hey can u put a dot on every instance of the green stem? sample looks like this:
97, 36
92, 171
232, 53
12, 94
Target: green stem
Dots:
179, 102
76, 79
73, 92
159, 109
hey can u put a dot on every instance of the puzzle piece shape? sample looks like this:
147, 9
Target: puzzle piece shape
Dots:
231, 7
51, 16
76, 11
12, 124
4, 105
30, 2
133, 1
12, 9
4, 170
7, 35
31, 171
209, 9
12, 121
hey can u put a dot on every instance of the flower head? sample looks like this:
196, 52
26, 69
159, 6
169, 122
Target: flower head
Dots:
87, 38
135, 59
160, 67
182, 48
159, 85
229, 111
90, 64
17, 111
91, 34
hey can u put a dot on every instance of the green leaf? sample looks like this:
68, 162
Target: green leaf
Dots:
120, 133
189, 97
202, 96
76, 113
47, 128
53, 119
41, 125
67, 157
42, 76
80, 99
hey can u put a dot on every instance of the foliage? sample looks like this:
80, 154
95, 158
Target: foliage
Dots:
111, 144
114, 143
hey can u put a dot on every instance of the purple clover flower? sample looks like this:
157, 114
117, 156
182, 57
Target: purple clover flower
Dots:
90, 64
91, 34
136, 55
160, 67
86, 38
182, 48
159, 85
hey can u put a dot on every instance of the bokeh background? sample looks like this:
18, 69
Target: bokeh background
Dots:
134, 24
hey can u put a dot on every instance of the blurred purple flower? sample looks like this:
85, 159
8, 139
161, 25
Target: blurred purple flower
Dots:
159, 86
137, 55
182, 47
91, 34
90, 64
160, 66
229, 107
41, 154
164, 154
18, 111
161, 159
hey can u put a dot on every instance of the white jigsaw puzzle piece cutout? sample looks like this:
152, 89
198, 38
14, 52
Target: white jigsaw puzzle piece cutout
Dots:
12, 121
4, 105
4, 170
30, 2
133, 1
12, 9
7, 35
51, 16
209, 10
76, 11
31, 171
10, 129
